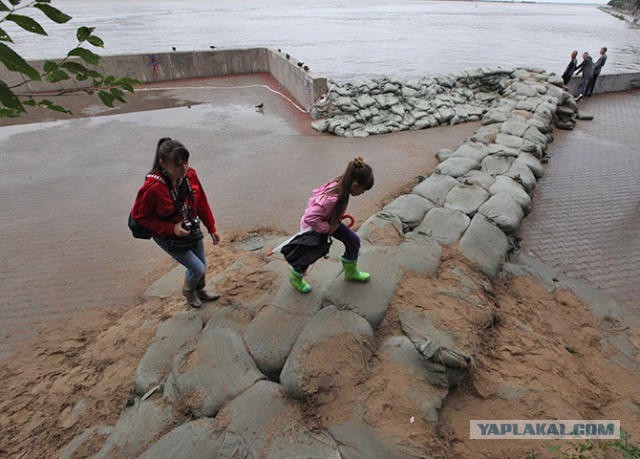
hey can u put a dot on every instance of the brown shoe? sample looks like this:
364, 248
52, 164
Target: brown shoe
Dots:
189, 292
202, 294
206, 296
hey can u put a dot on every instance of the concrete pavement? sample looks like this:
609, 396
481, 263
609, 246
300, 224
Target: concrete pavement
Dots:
586, 208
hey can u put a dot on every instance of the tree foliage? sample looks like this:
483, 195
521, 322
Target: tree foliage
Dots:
79, 64
627, 5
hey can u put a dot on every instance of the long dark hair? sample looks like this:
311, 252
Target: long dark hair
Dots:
357, 172
169, 150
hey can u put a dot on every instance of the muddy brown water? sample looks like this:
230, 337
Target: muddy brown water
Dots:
67, 185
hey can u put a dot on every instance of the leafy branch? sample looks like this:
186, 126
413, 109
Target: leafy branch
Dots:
76, 65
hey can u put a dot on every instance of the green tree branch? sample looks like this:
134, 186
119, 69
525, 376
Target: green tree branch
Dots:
79, 64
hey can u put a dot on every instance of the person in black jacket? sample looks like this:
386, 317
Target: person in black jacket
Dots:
597, 68
586, 68
571, 67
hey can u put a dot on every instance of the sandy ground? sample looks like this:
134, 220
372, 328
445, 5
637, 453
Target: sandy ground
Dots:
544, 350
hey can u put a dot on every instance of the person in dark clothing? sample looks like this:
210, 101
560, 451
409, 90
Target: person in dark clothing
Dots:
571, 67
586, 68
597, 68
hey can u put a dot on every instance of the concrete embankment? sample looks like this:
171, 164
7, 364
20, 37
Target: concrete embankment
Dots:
303, 85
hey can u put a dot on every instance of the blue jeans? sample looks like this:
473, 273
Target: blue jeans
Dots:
194, 260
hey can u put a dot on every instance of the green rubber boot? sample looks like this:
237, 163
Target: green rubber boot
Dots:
297, 280
351, 272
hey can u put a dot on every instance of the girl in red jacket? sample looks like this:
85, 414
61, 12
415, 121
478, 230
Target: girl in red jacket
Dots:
171, 204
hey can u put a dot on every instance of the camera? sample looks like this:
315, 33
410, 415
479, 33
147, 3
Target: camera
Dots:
193, 226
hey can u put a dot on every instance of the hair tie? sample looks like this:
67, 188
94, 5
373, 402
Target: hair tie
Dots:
359, 162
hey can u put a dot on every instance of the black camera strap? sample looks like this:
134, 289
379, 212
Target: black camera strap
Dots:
180, 199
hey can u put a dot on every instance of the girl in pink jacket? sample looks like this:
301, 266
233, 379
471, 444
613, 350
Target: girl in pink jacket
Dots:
323, 218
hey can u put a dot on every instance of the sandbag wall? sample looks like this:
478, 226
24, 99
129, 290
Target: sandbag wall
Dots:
480, 192
391, 105
282, 374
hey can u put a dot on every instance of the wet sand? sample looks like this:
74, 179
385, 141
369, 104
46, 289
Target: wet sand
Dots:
67, 186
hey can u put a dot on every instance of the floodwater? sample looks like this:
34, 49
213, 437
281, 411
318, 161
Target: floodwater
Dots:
351, 39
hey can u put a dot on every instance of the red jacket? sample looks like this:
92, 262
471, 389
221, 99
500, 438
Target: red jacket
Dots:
153, 202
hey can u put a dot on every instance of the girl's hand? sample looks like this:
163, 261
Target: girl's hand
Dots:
179, 231
215, 238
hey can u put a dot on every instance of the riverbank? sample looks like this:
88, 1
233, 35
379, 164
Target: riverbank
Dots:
628, 16
541, 358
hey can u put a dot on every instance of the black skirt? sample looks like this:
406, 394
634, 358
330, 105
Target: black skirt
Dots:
306, 248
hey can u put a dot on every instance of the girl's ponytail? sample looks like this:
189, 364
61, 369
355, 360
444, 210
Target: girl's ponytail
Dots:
357, 171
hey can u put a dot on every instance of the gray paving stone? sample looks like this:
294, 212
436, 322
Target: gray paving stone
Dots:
581, 224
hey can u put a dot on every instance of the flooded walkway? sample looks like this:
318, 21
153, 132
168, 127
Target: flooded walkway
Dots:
67, 186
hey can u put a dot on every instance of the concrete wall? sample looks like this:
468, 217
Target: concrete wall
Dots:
617, 82
304, 86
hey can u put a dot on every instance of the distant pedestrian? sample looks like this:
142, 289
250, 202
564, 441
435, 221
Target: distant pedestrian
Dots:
571, 67
322, 220
586, 68
597, 68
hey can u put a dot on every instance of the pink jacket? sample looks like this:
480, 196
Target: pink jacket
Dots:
319, 208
